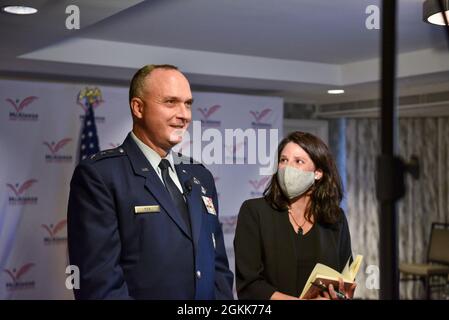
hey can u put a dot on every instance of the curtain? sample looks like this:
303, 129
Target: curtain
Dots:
426, 199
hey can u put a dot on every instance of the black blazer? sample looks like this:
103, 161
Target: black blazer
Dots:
265, 254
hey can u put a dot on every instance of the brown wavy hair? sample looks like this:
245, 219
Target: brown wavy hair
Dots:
325, 194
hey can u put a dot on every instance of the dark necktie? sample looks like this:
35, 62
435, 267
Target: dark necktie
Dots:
174, 192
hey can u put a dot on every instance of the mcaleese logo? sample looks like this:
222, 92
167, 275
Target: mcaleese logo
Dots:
55, 153
206, 113
19, 105
258, 186
54, 235
16, 275
216, 178
228, 224
18, 190
114, 144
235, 153
259, 117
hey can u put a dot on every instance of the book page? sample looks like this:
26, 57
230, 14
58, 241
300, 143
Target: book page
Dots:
350, 271
355, 266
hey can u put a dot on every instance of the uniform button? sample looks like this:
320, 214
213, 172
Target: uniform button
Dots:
198, 274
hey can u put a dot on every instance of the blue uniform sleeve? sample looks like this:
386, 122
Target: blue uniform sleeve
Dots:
224, 278
93, 237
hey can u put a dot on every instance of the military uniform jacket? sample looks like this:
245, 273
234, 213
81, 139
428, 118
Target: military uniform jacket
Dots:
128, 238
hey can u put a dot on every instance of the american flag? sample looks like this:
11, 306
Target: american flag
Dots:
89, 139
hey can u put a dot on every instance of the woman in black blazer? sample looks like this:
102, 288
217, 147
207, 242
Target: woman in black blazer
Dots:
279, 238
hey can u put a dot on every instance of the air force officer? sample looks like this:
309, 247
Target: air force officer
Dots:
142, 221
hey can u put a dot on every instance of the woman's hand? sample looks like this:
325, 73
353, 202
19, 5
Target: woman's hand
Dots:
332, 294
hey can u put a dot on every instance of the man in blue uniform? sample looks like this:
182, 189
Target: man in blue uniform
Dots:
142, 221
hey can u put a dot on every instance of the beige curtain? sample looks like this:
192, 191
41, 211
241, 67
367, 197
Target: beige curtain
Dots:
426, 200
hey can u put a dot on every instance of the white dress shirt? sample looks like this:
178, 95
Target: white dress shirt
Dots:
154, 158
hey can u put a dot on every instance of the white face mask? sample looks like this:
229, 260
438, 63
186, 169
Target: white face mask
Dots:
294, 182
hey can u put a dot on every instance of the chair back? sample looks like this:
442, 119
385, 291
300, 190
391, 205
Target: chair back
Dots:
439, 243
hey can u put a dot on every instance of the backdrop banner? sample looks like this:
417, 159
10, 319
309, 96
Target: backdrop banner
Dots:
235, 136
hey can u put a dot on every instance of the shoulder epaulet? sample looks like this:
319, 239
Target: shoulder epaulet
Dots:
180, 158
109, 153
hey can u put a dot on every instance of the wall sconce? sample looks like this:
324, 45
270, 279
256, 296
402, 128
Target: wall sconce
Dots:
432, 12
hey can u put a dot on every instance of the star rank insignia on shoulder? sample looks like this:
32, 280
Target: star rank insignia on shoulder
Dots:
109, 153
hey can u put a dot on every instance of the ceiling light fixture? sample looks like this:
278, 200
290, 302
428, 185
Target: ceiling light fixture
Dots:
432, 13
20, 10
336, 91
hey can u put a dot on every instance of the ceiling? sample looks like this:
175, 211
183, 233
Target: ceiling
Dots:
292, 48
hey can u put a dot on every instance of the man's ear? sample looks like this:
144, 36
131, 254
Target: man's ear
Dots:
136, 106
318, 174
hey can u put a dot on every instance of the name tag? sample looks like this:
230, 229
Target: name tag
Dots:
146, 209
209, 205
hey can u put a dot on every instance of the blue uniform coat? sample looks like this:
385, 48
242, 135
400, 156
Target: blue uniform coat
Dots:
152, 255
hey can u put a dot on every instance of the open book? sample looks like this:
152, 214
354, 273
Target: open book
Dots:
323, 274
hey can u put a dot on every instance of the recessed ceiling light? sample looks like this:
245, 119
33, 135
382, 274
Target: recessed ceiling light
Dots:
19, 10
336, 91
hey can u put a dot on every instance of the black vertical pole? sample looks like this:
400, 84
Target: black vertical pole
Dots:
389, 274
